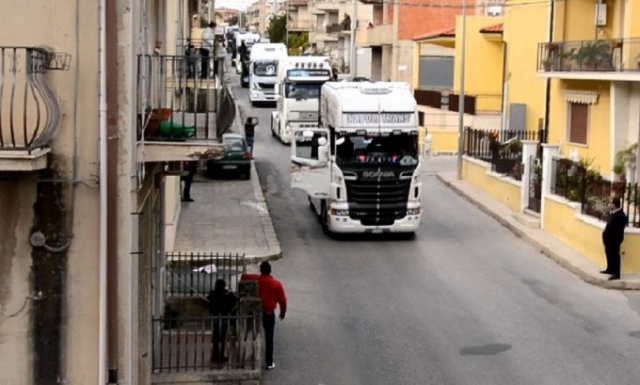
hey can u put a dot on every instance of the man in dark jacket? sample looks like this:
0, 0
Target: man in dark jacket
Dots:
612, 238
192, 168
222, 303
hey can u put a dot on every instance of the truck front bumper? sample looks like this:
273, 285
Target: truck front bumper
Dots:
262, 97
344, 224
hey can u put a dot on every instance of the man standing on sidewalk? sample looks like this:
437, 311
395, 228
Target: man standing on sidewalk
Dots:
612, 238
271, 294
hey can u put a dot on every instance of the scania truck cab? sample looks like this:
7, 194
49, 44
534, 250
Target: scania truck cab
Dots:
298, 94
263, 71
249, 40
361, 166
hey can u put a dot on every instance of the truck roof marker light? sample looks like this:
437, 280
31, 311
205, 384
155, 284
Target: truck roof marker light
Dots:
397, 132
361, 132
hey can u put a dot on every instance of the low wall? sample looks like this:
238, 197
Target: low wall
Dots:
443, 142
501, 188
563, 220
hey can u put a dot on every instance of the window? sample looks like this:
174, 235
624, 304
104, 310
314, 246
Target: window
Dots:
578, 119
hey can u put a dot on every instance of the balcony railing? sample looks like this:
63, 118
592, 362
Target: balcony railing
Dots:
178, 97
445, 99
617, 55
29, 111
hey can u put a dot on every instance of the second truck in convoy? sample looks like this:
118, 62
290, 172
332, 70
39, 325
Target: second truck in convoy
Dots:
361, 166
263, 71
297, 94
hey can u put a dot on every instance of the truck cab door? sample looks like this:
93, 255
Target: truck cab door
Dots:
310, 166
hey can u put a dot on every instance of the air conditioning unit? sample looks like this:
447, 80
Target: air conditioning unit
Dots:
494, 10
601, 14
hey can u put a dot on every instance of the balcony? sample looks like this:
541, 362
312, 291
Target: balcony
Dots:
299, 25
372, 2
613, 60
328, 6
379, 35
181, 109
29, 111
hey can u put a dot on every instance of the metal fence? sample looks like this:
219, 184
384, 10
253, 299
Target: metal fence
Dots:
177, 97
199, 344
601, 55
503, 149
195, 274
29, 110
576, 182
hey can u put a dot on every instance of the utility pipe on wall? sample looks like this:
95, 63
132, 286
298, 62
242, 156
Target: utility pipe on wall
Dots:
102, 87
112, 188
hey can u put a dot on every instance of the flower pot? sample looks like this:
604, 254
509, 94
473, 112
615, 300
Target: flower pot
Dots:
176, 130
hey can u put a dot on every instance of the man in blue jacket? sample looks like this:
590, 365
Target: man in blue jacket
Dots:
612, 238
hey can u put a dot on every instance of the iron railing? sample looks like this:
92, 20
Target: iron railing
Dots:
206, 343
503, 148
195, 274
177, 97
615, 55
576, 182
29, 111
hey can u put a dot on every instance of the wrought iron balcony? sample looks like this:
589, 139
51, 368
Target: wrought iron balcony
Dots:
29, 111
606, 59
182, 107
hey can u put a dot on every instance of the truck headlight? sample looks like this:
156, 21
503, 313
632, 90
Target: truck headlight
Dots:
254, 95
337, 179
339, 213
414, 211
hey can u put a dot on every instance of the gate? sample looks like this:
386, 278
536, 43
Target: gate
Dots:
535, 184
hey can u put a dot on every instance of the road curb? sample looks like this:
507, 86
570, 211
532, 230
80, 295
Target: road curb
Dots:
543, 249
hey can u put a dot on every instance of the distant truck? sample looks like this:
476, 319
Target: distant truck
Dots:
249, 40
263, 71
361, 167
298, 94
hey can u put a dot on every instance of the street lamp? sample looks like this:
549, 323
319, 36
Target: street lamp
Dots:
461, 94
354, 24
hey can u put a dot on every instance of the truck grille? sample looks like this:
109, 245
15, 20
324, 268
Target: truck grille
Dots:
378, 203
266, 86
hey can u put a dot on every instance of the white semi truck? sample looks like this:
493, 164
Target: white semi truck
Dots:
361, 166
249, 40
263, 71
298, 94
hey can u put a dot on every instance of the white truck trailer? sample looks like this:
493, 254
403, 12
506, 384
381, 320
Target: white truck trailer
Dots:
249, 40
361, 167
298, 94
263, 71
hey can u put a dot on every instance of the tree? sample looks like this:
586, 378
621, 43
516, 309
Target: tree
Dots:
278, 29
298, 42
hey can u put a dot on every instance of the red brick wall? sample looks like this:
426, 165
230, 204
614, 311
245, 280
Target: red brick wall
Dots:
416, 20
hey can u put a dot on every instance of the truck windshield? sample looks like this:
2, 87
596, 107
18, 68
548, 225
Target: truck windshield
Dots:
395, 150
265, 68
303, 90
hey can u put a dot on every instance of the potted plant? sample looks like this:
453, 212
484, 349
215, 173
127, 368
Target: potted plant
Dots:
551, 48
590, 55
548, 64
625, 162
565, 59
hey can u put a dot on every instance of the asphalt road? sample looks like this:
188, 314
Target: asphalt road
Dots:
465, 303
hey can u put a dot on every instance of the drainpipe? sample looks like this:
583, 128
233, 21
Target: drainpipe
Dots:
547, 101
102, 87
505, 88
111, 88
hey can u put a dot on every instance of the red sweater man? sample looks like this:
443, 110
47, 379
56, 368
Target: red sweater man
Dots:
272, 295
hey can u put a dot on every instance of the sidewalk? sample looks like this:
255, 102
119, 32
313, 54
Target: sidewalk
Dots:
548, 245
228, 216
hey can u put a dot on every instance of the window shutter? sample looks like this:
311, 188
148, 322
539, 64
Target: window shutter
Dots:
578, 121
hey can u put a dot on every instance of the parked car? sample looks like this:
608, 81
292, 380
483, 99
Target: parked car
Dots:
236, 160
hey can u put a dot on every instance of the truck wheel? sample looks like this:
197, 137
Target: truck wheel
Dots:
311, 206
273, 132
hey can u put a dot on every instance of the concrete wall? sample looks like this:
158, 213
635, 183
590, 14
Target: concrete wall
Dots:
563, 220
483, 63
173, 206
598, 145
55, 338
501, 188
524, 27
